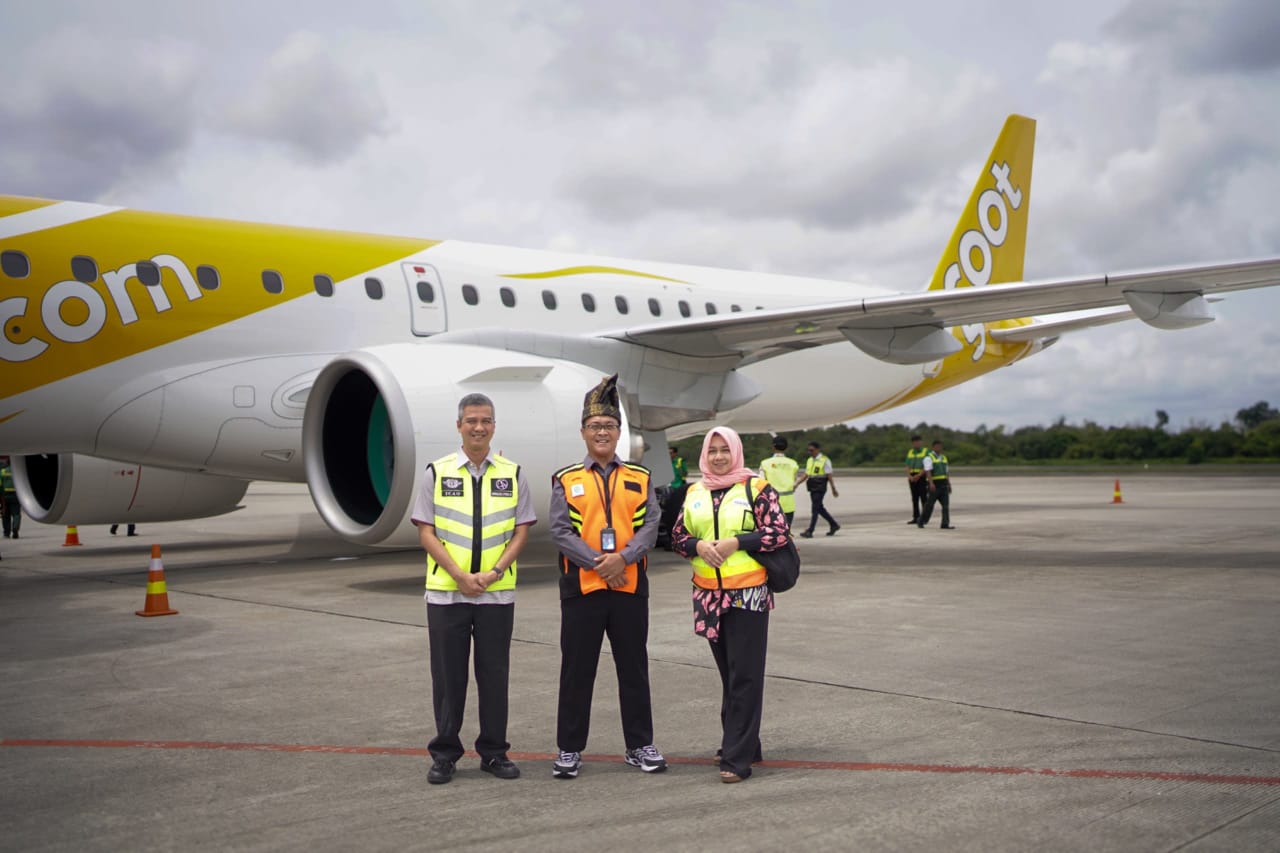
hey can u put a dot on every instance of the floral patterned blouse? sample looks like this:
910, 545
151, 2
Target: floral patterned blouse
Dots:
770, 534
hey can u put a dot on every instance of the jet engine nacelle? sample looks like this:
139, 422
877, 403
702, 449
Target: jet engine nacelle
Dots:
70, 488
376, 417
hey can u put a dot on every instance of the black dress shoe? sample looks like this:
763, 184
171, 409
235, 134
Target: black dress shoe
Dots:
441, 771
808, 534
832, 531
948, 527
502, 767
914, 521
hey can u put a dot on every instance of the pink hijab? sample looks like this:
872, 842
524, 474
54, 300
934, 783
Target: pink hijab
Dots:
739, 474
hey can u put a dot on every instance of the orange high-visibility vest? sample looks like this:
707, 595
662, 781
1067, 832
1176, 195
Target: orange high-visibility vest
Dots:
628, 490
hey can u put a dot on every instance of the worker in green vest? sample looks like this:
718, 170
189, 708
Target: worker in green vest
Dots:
916, 481
674, 498
473, 514
781, 470
938, 475
816, 477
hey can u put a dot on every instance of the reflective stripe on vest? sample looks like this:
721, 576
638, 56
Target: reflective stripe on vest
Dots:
474, 547
736, 515
584, 491
939, 465
780, 471
915, 460
816, 466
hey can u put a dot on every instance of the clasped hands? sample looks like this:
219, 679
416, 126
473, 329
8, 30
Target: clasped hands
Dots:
715, 551
474, 583
612, 569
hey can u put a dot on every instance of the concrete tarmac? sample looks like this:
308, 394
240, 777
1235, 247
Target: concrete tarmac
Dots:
1059, 673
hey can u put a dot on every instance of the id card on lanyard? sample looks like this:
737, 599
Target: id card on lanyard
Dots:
608, 536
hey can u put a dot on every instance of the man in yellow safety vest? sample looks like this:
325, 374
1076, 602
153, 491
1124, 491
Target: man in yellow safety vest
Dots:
473, 514
780, 470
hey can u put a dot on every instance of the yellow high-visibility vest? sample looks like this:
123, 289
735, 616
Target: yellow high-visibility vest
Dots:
474, 521
735, 516
780, 471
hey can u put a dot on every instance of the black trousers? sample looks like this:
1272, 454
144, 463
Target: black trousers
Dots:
919, 496
740, 657
12, 514
942, 495
815, 500
584, 622
451, 628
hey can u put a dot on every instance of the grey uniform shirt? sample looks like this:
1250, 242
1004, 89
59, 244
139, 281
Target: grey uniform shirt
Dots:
573, 546
424, 512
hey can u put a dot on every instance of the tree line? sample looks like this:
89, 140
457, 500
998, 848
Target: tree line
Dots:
1254, 436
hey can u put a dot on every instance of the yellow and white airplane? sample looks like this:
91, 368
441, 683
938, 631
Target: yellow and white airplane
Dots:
154, 364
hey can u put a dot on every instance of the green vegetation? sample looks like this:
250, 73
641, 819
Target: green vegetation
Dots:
1253, 437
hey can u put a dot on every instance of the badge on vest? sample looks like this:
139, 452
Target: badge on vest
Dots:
501, 487
577, 490
451, 487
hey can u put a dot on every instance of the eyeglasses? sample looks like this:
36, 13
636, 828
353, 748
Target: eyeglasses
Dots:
601, 427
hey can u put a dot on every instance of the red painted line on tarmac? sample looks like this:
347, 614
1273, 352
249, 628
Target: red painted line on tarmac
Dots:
844, 766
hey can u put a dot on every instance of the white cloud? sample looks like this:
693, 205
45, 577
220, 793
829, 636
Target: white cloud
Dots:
310, 101
828, 139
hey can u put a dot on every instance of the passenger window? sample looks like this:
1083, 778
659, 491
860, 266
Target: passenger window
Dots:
84, 269
469, 294
324, 285
272, 282
621, 303
15, 264
588, 302
735, 307
654, 308
684, 308
711, 308
426, 293
208, 277
373, 288
549, 300
508, 296
148, 273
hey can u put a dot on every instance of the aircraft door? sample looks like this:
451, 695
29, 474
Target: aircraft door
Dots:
426, 298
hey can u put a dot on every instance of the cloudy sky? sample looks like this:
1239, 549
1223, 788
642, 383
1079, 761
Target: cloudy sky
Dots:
835, 139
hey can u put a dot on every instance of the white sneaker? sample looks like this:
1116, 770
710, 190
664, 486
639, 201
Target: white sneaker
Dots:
567, 765
647, 758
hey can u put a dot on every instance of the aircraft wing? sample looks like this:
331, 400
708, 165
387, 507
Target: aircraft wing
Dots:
1166, 298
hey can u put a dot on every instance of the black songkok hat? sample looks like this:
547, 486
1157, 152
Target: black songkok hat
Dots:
602, 400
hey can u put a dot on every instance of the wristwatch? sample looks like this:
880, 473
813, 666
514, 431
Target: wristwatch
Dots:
500, 572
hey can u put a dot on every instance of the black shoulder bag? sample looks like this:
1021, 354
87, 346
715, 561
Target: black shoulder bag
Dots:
782, 565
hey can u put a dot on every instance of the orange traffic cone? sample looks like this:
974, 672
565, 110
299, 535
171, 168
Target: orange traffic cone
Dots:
73, 536
1117, 499
157, 603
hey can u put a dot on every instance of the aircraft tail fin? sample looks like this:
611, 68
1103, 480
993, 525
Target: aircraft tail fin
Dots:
990, 240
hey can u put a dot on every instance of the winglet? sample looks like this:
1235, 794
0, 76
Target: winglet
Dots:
990, 239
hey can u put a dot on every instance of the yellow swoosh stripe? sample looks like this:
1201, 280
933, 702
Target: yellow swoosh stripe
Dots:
239, 251
590, 270
10, 204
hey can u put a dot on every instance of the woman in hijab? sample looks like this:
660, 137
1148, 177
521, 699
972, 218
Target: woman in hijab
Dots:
727, 515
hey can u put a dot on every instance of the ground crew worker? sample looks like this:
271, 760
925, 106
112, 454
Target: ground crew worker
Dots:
916, 481
12, 508
473, 514
817, 475
780, 470
939, 479
604, 520
675, 496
